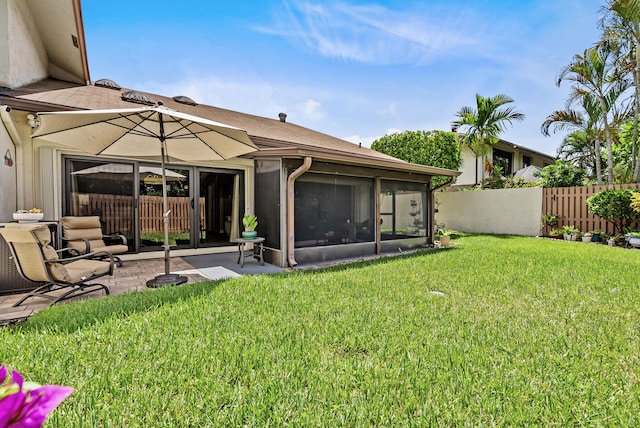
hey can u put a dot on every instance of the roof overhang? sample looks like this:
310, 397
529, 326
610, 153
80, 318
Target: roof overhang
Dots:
525, 149
61, 30
352, 159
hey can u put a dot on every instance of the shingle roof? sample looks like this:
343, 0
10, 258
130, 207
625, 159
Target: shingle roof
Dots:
54, 95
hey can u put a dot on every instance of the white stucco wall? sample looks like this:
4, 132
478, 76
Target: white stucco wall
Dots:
468, 168
468, 176
504, 211
7, 177
23, 58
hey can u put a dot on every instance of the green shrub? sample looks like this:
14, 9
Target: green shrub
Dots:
561, 174
433, 148
614, 205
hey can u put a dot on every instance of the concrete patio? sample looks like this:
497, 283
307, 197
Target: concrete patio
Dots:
134, 274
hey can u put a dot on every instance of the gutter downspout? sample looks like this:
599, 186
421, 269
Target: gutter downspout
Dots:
291, 242
17, 143
433, 208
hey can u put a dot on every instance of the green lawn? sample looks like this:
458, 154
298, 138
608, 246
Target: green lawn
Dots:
498, 331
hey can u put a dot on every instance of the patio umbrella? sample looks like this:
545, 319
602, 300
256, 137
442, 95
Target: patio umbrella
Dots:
148, 133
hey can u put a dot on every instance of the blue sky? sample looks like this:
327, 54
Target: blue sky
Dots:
352, 69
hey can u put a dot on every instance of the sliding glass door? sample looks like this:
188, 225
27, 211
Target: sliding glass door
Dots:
205, 205
103, 189
150, 207
219, 206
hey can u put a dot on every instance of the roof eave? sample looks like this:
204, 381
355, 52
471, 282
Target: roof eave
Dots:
33, 106
77, 10
351, 159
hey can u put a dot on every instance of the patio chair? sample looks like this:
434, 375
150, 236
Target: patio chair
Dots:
84, 235
62, 278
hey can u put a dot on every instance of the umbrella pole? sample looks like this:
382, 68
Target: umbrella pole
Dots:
167, 278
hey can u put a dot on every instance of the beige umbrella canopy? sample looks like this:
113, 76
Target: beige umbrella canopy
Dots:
147, 133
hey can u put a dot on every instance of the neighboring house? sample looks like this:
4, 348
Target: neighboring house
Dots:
317, 197
511, 157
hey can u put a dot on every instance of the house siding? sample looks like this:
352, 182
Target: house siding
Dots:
7, 176
468, 167
23, 58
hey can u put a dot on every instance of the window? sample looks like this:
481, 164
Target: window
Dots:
105, 189
403, 210
504, 160
526, 161
333, 210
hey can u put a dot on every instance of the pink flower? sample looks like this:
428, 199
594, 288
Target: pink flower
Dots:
26, 404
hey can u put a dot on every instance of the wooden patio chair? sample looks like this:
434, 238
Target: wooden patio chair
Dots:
84, 235
62, 278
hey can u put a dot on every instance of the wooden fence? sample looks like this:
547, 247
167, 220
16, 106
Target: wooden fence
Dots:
570, 205
116, 212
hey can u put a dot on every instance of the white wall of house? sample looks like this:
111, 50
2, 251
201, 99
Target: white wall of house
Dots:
468, 167
503, 211
21, 187
7, 177
23, 58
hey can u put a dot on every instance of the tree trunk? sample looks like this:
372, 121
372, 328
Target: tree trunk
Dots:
598, 163
636, 154
607, 133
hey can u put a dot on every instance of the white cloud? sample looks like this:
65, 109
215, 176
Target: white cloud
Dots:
376, 34
391, 110
248, 96
311, 110
367, 141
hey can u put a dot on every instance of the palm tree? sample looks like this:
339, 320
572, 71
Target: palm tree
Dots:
621, 25
586, 135
593, 74
484, 123
578, 149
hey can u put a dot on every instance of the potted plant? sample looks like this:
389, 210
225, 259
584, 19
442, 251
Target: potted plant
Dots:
445, 237
549, 220
634, 239
612, 241
586, 237
555, 233
596, 235
570, 232
250, 222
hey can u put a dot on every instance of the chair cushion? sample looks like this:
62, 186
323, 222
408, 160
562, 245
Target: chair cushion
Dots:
59, 272
81, 270
113, 249
41, 231
86, 222
82, 227
75, 229
90, 234
82, 247
42, 234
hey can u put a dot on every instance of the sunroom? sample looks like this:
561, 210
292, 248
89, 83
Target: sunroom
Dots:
319, 205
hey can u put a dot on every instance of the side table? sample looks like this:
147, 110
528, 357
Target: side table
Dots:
258, 249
